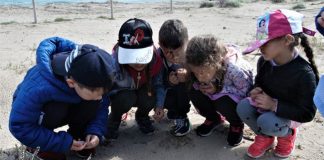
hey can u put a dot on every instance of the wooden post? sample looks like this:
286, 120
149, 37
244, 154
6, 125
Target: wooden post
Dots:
34, 8
111, 10
171, 7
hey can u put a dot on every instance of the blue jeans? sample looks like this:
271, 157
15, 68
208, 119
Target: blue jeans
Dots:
267, 123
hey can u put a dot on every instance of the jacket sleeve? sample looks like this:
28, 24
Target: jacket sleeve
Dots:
304, 109
53, 45
319, 96
242, 80
25, 117
159, 89
318, 26
98, 126
260, 63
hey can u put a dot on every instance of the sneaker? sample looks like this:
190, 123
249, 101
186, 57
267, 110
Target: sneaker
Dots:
207, 128
181, 127
86, 153
286, 145
235, 135
44, 155
145, 125
260, 145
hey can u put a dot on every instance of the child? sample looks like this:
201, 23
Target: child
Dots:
221, 79
319, 97
319, 21
284, 85
173, 38
64, 87
139, 82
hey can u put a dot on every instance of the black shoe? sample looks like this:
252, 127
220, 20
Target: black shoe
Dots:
235, 135
43, 155
112, 131
86, 153
207, 128
181, 128
145, 125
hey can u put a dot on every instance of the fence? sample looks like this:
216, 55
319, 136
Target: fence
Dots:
33, 3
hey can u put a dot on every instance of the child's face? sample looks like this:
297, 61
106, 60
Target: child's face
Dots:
174, 55
274, 48
85, 93
138, 67
204, 74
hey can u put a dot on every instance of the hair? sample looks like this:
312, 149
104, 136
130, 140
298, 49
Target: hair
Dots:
206, 50
307, 49
105, 88
173, 34
262, 20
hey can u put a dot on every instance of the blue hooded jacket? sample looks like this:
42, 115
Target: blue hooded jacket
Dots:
319, 28
39, 87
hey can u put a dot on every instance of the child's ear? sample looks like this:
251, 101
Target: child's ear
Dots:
289, 39
70, 82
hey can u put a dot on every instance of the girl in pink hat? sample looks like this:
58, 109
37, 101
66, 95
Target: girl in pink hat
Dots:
284, 85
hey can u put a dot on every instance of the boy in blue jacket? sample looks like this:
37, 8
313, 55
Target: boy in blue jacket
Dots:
65, 87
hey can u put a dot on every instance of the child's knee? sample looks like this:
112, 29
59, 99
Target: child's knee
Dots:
268, 125
244, 109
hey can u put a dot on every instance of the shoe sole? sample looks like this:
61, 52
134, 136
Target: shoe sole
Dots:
209, 133
181, 134
255, 157
284, 156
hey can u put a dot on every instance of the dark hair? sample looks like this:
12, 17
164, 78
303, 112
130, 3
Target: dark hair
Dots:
173, 34
205, 50
262, 20
308, 51
105, 88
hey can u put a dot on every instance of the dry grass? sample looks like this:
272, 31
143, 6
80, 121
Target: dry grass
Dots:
7, 23
229, 3
299, 6
206, 5
277, 1
62, 19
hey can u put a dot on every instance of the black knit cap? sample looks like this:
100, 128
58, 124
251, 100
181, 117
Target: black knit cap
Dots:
87, 65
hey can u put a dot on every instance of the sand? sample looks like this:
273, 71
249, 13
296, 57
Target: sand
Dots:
89, 23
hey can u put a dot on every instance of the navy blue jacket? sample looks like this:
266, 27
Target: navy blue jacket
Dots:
319, 28
39, 87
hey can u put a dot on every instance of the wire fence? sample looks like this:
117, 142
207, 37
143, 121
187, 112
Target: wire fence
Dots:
35, 3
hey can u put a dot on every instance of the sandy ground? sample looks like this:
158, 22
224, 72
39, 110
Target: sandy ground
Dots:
89, 23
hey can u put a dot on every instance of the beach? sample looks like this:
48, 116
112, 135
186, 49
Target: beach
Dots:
90, 23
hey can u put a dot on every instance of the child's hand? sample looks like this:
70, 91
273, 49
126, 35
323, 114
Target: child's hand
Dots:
320, 20
182, 74
78, 145
92, 141
173, 79
266, 102
159, 114
256, 91
207, 89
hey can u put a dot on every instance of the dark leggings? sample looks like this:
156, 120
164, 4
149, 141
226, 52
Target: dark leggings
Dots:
211, 109
124, 100
177, 102
77, 116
